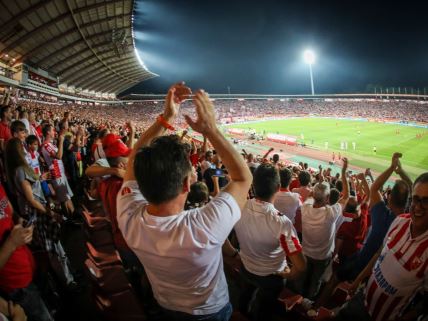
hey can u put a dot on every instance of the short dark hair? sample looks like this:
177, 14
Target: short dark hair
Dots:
400, 193
3, 111
339, 185
285, 175
17, 126
334, 196
46, 129
31, 139
423, 179
304, 178
198, 194
161, 167
275, 158
266, 181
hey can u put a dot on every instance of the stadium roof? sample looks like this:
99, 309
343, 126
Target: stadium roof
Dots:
88, 44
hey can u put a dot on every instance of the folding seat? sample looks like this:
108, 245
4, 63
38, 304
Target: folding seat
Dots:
97, 230
110, 278
103, 256
289, 298
122, 306
340, 295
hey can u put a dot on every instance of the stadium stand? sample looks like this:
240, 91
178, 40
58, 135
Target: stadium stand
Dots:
145, 211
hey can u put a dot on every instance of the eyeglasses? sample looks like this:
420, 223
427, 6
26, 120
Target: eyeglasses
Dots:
422, 201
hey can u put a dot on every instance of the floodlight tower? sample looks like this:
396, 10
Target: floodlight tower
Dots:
309, 57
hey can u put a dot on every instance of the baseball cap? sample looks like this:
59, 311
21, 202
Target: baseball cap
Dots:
117, 149
109, 139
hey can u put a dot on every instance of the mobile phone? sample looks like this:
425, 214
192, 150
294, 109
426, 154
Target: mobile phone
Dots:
31, 221
218, 173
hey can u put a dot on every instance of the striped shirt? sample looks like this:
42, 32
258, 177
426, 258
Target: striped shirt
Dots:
399, 273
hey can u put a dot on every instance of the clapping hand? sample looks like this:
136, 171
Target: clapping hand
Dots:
205, 122
176, 95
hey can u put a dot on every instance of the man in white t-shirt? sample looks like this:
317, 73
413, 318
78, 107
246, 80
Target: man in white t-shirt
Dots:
181, 250
285, 201
266, 237
320, 221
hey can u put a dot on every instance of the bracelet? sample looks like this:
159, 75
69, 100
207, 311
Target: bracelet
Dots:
164, 123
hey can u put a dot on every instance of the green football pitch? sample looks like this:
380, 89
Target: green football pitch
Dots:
387, 138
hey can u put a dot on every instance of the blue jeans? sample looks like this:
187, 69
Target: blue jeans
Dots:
33, 305
259, 295
223, 315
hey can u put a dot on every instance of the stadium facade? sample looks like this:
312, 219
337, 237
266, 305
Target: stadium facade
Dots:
63, 49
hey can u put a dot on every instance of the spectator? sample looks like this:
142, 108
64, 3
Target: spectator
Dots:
304, 190
285, 201
319, 224
32, 204
398, 271
215, 171
17, 264
151, 216
266, 237
5, 119
52, 155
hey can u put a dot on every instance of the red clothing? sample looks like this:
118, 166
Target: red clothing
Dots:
194, 159
5, 132
294, 184
108, 189
17, 273
352, 234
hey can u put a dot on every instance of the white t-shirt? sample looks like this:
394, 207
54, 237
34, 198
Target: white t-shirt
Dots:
287, 203
265, 236
319, 226
204, 166
180, 253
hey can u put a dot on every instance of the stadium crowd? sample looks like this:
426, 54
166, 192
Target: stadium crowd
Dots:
182, 213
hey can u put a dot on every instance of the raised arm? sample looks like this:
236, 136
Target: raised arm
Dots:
375, 195
365, 187
131, 141
268, 152
176, 94
60, 146
345, 193
403, 175
206, 125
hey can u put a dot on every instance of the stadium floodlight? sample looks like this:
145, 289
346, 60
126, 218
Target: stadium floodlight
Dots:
309, 57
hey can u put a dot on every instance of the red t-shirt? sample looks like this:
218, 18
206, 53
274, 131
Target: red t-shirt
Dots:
5, 132
108, 189
294, 184
352, 234
194, 159
18, 271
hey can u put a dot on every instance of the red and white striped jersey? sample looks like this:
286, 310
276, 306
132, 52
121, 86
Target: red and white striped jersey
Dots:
56, 166
399, 273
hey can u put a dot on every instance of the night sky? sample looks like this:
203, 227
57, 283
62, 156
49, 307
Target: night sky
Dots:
257, 46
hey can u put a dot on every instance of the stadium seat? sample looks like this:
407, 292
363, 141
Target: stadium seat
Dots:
289, 298
111, 279
103, 256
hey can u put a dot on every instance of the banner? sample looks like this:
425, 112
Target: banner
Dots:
283, 139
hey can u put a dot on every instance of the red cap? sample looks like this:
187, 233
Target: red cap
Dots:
117, 149
109, 139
